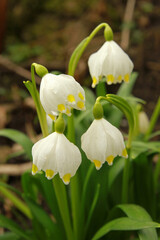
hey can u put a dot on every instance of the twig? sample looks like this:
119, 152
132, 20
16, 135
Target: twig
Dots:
128, 16
14, 169
5, 62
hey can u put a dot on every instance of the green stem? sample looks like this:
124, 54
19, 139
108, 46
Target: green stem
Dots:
82, 46
16, 201
156, 175
153, 120
125, 179
101, 89
75, 202
71, 128
61, 197
40, 111
74, 184
156, 185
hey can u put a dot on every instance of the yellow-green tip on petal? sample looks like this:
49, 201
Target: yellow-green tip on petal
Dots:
110, 160
66, 178
70, 98
126, 78
94, 82
97, 164
49, 173
80, 95
80, 105
52, 117
61, 108
110, 79
34, 169
124, 153
68, 111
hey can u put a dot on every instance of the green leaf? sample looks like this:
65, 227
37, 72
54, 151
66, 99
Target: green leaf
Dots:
139, 213
147, 234
139, 147
146, 198
114, 171
9, 236
96, 195
138, 219
19, 138
49, 227
12, 226
135, 212
124, 224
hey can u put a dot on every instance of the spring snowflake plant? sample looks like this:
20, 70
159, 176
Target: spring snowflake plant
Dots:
86, 172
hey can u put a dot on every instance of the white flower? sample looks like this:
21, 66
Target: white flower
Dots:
60, 93
102, 142
56, 154
111, 62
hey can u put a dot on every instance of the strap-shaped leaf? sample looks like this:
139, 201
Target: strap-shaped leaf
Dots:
9, 236
138, 219
49, 227
139, 213
12, 226
124, 224
19, 138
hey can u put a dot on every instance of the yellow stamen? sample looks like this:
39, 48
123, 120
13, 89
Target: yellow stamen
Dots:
68, 112
34, 168
124, 153
66, 178
110, 78
71, 98
80, 96
80, 104
61, 107
94, 81
126, 78
49, 173
97, 164
119, 78
110, 160
52, 117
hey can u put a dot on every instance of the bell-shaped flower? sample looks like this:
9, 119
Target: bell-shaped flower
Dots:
110, 61
60, 93
56, 154
103, 142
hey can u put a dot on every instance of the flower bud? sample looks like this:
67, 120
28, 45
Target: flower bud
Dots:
40, 70
60, 124
143, 122
97, 110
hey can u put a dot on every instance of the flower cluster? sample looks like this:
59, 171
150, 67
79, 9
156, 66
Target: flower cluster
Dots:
58, 95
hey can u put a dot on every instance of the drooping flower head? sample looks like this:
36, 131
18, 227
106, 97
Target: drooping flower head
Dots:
60, 93
102, 142
110, 61
56, 154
